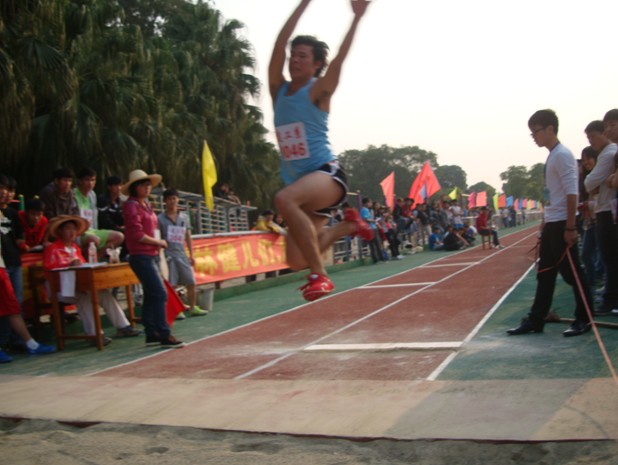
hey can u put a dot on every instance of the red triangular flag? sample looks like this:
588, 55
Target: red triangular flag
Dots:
174, 304
388, 189
425, 185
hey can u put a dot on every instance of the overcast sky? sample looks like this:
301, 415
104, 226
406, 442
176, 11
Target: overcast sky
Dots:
457, 78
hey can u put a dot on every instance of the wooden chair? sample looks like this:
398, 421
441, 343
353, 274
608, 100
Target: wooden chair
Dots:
486, 240
41, 303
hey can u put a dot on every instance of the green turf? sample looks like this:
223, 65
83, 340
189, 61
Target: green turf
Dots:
490, 355
493, 354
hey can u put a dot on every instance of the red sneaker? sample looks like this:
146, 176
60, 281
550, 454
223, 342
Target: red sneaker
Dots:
317, 286
362, 227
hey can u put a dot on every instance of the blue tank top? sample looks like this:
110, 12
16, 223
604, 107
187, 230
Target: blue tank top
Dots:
302, 133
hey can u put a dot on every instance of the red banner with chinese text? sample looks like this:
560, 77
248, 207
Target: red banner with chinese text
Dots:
221, 258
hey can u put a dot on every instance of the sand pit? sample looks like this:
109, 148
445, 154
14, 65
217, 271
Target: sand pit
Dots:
30, 442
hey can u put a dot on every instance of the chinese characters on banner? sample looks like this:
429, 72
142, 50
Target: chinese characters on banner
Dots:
221, 258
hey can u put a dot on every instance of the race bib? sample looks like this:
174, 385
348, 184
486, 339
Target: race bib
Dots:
176, 234
292, 141
87, 214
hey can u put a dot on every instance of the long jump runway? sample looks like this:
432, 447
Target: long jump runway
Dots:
400, 328
361, 363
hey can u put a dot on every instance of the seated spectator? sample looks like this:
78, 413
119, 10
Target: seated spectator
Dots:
469, 232
281, 222
452, 239
176, 230
34, 225
64, 252
483, 228
11, 311
109, 203
57, 196
87, 204
266, 222
435, 239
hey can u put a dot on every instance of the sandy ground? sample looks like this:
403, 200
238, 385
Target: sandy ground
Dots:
34, 442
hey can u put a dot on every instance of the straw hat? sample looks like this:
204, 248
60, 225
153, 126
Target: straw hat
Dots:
58, 221
139, 175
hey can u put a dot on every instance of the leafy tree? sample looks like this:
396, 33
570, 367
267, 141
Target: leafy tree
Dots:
366, 168
515, 181
451, 176
125, 84
523, 183
536, 181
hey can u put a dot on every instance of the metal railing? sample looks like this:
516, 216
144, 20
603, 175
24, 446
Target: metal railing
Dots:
225, 218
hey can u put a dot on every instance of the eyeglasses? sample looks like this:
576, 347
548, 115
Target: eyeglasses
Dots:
533, 133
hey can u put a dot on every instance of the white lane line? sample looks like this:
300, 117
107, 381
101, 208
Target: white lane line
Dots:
442, 265
386, 286
438, 371
366, 317
385, 346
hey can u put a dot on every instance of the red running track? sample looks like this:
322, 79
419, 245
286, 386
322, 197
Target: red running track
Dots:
444, 301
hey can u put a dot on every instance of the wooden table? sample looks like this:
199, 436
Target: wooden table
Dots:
92, 279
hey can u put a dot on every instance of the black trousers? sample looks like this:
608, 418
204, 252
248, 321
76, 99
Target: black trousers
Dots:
550, 264
607, 240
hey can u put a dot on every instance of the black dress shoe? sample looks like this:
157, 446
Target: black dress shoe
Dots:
577, 329
525, 327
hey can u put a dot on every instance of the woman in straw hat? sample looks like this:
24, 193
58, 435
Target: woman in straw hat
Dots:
140, 224
65, 252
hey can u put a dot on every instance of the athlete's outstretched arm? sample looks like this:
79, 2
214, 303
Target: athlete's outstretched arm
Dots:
327, 85
277, 60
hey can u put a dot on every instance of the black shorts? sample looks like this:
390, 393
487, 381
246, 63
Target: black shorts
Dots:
335, 171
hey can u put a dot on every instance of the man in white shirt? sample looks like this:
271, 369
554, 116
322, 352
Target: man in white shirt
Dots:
606, 230
558, 231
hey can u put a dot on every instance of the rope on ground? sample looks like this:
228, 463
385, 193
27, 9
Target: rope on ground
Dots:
592, 323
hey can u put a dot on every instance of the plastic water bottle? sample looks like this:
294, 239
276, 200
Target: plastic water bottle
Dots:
92, 253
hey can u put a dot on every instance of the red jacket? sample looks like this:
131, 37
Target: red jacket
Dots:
481, 222
139, 221
57, 255
33, 235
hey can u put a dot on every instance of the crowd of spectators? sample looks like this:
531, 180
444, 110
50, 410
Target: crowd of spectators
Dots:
70, 225
412, 227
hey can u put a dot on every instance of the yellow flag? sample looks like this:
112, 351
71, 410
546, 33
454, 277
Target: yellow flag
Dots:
454, 193
495, 199
209, 176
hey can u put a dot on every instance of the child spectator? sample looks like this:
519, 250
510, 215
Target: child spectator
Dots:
469, 232
10, 311
435, 239
176, 230
64, 252
390, 231
108, 204
266, 222
34, 224
87, 204
452, 239
57, 196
